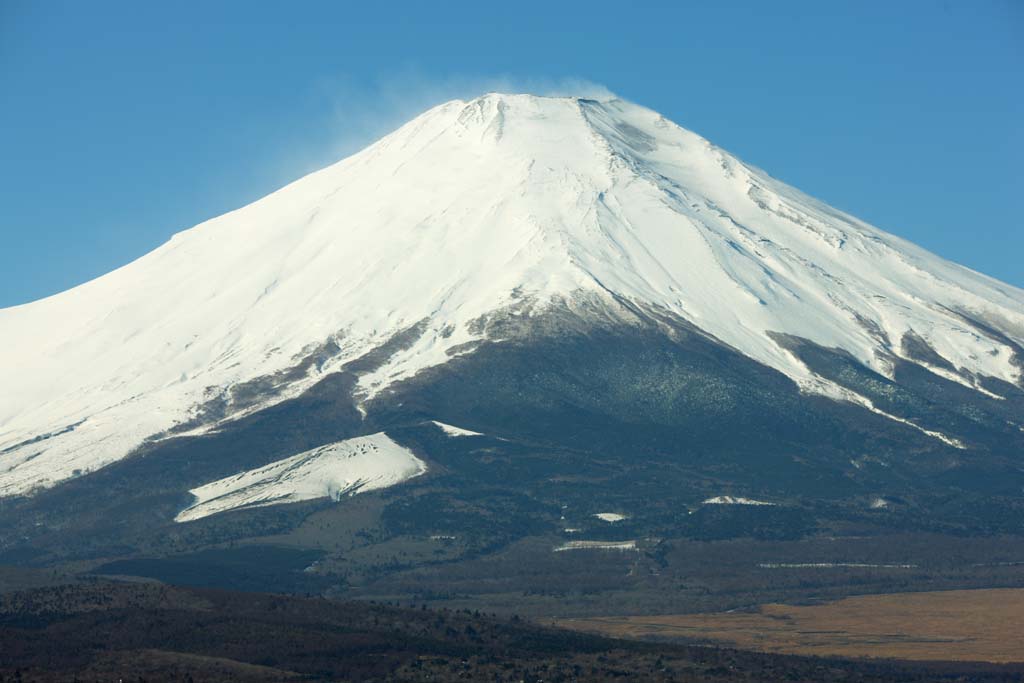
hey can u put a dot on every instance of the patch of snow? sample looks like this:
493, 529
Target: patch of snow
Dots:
880, 504
949, 441
452, 430
597, 545
959, 379
365, 463
734, 500
611, 517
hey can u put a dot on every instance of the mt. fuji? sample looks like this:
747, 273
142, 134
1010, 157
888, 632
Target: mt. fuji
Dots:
504, 320
497, 208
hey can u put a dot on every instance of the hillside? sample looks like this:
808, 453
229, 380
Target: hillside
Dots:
150, 632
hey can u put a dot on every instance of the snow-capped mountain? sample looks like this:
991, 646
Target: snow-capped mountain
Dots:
496, 208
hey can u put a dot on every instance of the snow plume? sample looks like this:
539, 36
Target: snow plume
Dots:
357, 113
362, 113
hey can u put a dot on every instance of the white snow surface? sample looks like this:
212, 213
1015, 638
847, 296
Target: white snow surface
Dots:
611, 517
734, 500
365, 463
465, 210
452, 430
596, 545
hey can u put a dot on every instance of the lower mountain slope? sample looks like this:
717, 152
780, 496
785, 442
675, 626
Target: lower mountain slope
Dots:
613, 434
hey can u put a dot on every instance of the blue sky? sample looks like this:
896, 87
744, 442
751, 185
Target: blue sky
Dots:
124, 122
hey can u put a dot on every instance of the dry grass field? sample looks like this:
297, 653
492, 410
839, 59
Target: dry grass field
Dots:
966, 625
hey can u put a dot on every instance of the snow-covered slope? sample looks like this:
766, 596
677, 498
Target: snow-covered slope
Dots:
468, 209
347, 467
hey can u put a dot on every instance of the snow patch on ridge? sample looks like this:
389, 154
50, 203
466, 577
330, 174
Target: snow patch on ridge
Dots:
337, 469
454, 431
734, 500
611, 517
621, 546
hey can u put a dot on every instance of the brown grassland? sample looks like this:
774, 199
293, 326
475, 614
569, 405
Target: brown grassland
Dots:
964, 625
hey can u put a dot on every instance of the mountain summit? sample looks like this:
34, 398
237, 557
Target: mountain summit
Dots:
471, 227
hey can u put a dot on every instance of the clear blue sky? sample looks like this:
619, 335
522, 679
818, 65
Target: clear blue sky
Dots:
122, 123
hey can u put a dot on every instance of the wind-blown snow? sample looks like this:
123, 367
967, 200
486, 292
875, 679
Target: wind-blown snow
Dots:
365, 463
470, 208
